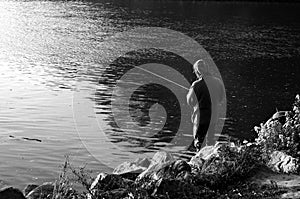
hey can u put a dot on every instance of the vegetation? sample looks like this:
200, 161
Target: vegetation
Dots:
281, 133
219, 185
232, 164
223, 175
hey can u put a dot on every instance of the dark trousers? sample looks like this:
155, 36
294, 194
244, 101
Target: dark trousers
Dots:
200, 134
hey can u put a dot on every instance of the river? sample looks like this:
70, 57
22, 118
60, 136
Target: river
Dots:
50, 51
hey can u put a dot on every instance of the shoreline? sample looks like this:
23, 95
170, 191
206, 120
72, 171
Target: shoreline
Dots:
226, 170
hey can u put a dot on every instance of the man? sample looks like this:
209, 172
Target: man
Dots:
204, 97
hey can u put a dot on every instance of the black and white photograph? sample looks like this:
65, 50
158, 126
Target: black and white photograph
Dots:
149, 99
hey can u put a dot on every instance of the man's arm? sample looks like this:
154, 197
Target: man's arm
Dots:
189, 96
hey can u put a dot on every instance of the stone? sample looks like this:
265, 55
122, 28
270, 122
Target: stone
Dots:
281, 162
208, 151
291, 195
203, 155
115, 194
176, 170
172, 179
280, 116
131, 170
160, 159
175, 188
43, 191
29, 188
265, 176
108, 183
196, 162
11, 193
288, 182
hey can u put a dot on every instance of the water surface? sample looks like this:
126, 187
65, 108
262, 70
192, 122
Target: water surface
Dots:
49, 49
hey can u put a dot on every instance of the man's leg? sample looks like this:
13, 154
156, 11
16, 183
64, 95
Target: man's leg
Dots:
192, 147
199, 135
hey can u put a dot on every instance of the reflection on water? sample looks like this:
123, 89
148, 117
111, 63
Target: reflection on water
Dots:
144, 100
48, 48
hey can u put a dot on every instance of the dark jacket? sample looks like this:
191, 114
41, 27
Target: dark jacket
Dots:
209, 92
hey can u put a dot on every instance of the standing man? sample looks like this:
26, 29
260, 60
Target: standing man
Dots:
204, 97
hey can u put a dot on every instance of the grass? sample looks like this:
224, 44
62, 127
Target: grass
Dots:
215, 180
223, 176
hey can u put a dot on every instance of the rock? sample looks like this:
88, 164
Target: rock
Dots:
177, 170
280, 116
203, 155
167, 170
161, 157
281, 162
43, 191
291, 195
115, 194
207, 152
196, 163
107, 183
265, 176
177, 189
131, 170
29, 188
169, 187
288, 182
11, 193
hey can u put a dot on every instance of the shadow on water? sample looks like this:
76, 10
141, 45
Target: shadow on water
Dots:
50, 47
254, 46
143, 99
256, 87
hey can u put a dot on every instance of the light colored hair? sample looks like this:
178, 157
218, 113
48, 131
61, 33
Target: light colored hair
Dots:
200, 68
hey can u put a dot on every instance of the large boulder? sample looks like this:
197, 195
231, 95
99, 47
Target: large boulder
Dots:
160, 159
107, 184
11, 193
281, 133
120, 193
166, 177
281, 162
165, 170
291, 195
203, 155
208, 151
178, 189
170, 178
43, 191
289, 182
265, 176
131, 170
29, 188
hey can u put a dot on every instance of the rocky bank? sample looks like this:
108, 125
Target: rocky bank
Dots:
266, 168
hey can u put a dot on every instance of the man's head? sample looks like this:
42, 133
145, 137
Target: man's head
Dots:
200, 68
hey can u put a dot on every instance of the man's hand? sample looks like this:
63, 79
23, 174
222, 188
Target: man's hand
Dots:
193, 84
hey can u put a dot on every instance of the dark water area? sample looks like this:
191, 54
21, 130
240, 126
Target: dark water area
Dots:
52, 70
261, 86
255, 47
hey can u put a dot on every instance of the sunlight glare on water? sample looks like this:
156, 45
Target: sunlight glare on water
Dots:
50, 48
38, 68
